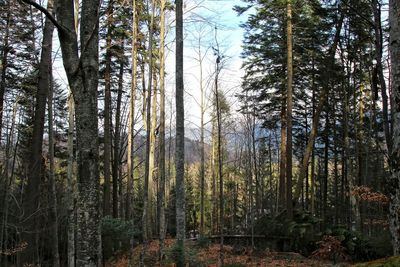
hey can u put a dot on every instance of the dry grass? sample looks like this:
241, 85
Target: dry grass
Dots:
209, 256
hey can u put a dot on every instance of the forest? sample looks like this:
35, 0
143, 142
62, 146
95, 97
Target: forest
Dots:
199, 133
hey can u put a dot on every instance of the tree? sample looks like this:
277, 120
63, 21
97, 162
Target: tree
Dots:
161, 197
394, 181
132, 101
81, 63
52, 180
289, 106
31, 203
107, 122
180, 137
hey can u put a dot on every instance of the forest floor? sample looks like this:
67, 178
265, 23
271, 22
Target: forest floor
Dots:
209, 256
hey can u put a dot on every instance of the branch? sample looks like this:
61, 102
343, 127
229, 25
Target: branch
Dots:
48, 15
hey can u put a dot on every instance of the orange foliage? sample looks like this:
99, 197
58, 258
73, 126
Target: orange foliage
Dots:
210, 256
329, 248
366, 194
18, 248
376, 222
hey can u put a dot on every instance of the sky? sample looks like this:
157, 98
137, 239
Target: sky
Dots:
213, 20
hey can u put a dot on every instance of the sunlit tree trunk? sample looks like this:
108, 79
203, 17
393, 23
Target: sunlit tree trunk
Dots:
131, 119
161, 190
289, 95
147, 176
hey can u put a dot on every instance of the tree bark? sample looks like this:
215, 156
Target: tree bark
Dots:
394, 46
52, 181
4, 60
107, 123
146, 213
71, 184
117, 131
219, 152
379, 66
131, 119
289, 95
82, 74
180, 137
161, 198
31, 201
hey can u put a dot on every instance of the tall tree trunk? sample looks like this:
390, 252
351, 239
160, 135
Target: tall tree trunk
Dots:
35, 174
117, 131
147, 175
202, 147
321, 103
214, 174
131, 119
289, 95
219, 152
52, 181
4, 61
379, 66
256, 176
82, 73
161, 190
394, 181
107, 123
8, 181
180, 137
152, 174
283, 157
326, 171
71, 184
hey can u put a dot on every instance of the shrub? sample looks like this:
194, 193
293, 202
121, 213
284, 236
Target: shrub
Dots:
331, 248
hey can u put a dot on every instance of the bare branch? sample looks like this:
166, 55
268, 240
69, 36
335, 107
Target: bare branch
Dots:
60, 28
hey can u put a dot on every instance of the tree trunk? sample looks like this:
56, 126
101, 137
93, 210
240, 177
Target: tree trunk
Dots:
147, 175
52, 182
153, 174
379, 67
4, 60
219, 152
326, 171
321, 103
107, 123
71, 184
289, 95
394, 180
35, 174
117, 134
8, 181
82, 74
283, 157
202, 149
131, 119
180, 137
161, 191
